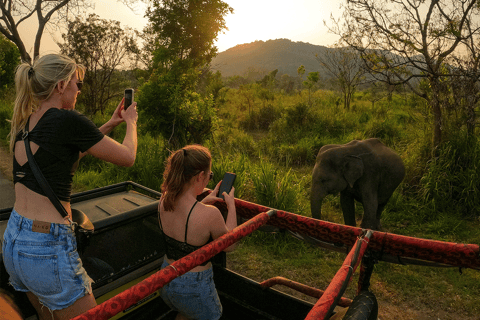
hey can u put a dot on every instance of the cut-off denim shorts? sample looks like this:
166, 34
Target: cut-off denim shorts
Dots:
194, 295
46, 264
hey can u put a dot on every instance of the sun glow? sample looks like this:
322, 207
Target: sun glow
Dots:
266, 19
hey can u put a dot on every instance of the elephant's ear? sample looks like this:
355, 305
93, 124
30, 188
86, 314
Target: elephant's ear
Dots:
353, 169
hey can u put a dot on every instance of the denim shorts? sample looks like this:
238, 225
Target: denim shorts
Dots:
194, 295
46, 264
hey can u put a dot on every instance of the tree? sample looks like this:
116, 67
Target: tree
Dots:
301, 72
464, 86
345, 66
102, 46
180, 35
410, 40
53, 14
9, 60
312, 78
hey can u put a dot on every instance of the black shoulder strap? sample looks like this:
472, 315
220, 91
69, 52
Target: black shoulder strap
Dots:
188, 218
39, 175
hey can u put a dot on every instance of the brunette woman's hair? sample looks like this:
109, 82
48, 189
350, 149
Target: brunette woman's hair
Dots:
35, 83
182, 166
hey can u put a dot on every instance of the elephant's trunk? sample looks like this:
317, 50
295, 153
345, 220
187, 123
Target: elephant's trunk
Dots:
316, 203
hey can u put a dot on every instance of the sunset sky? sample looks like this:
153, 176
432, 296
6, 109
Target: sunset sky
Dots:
300, 20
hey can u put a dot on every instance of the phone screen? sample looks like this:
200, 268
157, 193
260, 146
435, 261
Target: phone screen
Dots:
227, 184
128, 98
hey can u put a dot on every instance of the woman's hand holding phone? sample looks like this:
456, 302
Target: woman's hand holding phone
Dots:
212, 197
230, 198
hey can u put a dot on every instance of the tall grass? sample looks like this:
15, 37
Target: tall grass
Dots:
451, 182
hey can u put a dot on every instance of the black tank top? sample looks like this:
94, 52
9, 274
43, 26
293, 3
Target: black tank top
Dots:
175, 249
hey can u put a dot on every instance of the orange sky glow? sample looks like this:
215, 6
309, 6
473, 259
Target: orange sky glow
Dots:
252, 20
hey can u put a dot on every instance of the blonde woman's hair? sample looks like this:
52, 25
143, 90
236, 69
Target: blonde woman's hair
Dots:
182, 166
35, 83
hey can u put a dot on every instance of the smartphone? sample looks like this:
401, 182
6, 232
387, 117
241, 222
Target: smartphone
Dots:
227, 184
128, 98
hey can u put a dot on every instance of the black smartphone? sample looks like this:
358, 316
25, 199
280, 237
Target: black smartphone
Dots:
128, 98
227, 184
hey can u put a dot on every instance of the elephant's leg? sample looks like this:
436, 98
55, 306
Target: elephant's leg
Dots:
370, 206
348, 208
379, 215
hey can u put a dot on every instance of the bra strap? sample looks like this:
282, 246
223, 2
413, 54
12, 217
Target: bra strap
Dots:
186, 224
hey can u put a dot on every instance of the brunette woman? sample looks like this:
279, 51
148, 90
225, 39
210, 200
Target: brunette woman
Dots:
188, 225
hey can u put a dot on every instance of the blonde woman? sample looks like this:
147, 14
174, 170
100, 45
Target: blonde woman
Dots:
46, 265
188, 225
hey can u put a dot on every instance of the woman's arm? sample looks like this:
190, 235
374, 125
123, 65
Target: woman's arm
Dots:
115, 120
110, 150
219, 226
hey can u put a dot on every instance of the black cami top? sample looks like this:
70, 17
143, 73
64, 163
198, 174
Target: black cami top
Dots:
175, 249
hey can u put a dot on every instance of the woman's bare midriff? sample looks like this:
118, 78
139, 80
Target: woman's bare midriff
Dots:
34, 206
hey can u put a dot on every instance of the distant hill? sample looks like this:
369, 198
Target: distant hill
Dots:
282, 54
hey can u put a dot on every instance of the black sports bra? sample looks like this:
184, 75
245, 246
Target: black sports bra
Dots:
176, 249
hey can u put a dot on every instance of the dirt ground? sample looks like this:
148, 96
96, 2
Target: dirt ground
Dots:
388, 310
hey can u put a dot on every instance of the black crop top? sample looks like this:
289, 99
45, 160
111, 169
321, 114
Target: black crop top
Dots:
61, 135
176, 249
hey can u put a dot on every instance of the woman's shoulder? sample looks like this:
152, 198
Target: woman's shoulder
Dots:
63, 117
209, 211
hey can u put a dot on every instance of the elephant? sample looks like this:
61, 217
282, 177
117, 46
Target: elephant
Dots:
362, 170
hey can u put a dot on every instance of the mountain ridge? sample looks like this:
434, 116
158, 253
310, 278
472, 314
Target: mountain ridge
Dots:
266, 56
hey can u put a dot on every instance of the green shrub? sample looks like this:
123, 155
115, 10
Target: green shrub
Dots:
364, 117
386, 130
260, 119
233, 140
300, 154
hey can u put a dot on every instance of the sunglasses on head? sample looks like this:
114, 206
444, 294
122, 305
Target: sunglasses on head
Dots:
79, 85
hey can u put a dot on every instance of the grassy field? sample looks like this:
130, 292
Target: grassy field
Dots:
272, 148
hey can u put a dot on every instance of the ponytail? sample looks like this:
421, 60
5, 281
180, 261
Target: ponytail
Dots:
182, 166
36, 83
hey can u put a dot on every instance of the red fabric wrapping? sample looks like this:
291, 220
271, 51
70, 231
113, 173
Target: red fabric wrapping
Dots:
453, 254
300, 287
321, 308
156, 281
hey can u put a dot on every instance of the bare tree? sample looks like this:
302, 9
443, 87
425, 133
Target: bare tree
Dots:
49, 13
345, 66
409, 39
464, 85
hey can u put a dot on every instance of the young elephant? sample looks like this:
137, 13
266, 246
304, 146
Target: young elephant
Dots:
366, 171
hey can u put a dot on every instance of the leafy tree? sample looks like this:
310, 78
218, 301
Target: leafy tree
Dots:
269, 81
181, 35
48, 13
312, 79
345, 66
102, 46
236, 82
248, 92
301, 72
9, 60
410, 40
287, 83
